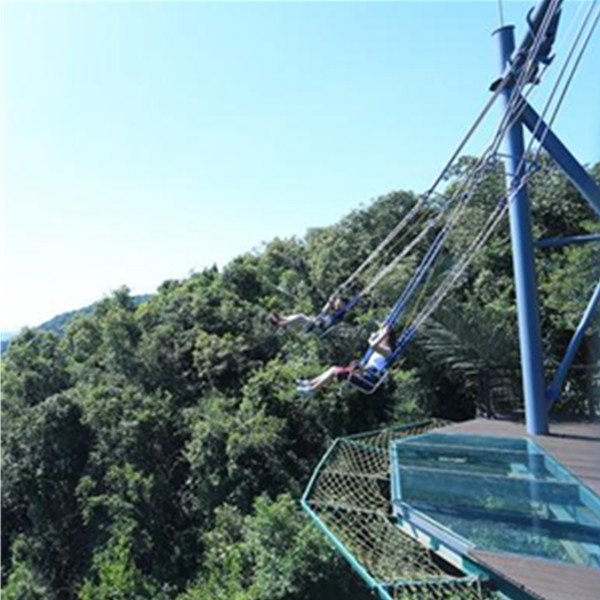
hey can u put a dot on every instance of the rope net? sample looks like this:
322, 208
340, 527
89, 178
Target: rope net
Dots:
350, 497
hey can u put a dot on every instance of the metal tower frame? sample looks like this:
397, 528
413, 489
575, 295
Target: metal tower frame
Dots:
538, 398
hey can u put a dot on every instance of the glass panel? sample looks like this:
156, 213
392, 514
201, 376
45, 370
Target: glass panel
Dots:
501, 495
477, 460
472, 441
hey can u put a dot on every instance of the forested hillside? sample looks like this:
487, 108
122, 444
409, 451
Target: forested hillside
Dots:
59, 323
159, 450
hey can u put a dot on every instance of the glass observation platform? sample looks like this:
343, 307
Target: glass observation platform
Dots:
502, 495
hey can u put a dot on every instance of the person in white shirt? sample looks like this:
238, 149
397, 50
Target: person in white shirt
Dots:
382, 342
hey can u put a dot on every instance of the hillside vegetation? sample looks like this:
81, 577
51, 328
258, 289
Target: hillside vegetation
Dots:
159, 451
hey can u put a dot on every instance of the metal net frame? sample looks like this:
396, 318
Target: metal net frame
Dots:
349, 499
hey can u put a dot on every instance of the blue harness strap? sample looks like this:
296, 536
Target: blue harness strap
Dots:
417, 278
405, 339
325, 322
339, 314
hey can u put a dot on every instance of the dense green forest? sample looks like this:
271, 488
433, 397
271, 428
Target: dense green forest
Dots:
159, 450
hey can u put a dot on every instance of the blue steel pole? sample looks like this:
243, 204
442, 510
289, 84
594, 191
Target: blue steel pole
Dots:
561, 373
558, 242
536, 414
578, 176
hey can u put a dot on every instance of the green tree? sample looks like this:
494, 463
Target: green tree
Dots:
45, 449
274, 552
34, 369
25, 581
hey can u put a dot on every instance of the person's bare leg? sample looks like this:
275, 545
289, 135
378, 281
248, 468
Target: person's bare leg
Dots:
324, 379
284, 321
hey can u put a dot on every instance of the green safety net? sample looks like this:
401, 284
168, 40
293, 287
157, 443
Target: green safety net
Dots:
349, 497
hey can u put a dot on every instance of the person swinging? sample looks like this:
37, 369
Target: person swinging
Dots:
331, 314
366, 376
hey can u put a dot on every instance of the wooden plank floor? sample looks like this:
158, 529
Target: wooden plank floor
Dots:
577, 447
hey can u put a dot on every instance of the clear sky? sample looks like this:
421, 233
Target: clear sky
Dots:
143, 141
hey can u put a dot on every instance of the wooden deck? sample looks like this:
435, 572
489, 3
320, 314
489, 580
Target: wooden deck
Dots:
577, 447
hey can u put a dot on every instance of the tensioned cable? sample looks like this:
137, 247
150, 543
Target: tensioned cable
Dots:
576, 64
392, 235
422, 200
415, 311
496, 215
501, 13
516, 96
493, 221
410, 331
424, 287
390, 253
527, 69
468, 255
396, 260
475, 172
500, 211
433, 221
473, 180
457, 271
509, 116
563, 44
573, 45
499, 135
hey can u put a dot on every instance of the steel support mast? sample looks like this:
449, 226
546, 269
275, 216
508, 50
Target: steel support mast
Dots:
520, 66
534, 389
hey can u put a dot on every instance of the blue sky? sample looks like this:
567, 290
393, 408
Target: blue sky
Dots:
143, 141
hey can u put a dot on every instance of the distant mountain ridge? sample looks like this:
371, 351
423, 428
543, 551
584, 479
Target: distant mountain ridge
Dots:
5, 337
59, 323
